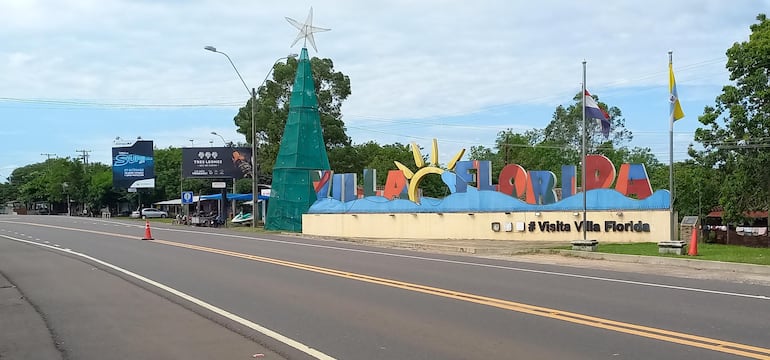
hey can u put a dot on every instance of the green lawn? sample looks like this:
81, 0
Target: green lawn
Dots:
729, 253
248, 228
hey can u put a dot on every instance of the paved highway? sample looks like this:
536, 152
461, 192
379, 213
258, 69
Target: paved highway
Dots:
303, 298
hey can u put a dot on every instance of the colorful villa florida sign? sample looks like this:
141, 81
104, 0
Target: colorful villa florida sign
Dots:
471, 187
521, 201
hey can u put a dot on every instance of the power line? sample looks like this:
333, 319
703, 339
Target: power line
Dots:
119, 105
130, 104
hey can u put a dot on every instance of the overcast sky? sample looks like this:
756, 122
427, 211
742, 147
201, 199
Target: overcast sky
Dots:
76, 76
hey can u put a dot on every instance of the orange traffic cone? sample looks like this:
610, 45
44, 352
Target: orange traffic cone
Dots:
693, 251
147, 233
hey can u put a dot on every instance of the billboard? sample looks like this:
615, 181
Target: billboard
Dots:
133, 165
216, 162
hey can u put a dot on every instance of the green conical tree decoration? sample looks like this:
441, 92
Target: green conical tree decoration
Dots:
302, 151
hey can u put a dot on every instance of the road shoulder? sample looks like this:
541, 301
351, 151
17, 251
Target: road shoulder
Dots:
23, 334
93, 314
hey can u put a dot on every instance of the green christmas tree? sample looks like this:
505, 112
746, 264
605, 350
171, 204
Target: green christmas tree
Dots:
302, 151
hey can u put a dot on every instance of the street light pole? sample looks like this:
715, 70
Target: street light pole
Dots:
254, 145
65, 187
254, 167
48, 165
221, 137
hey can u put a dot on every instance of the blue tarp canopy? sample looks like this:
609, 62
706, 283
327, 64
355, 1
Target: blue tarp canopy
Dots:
230, 196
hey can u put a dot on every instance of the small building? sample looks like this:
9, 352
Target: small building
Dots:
751, 233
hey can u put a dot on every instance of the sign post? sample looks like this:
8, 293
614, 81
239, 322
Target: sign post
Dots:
222, 202
187, 199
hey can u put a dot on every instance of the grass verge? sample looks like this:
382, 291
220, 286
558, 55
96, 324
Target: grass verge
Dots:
230, 226
714, 252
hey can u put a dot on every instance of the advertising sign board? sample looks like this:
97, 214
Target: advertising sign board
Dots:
216, 162
133, 165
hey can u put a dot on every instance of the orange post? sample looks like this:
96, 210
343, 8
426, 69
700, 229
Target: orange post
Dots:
693, 250
147, 233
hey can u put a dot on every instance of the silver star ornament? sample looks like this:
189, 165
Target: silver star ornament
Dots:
306, 30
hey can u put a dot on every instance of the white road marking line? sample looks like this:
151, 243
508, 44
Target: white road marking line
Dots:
254, 326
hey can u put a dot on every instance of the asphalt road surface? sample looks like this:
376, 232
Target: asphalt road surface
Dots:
197, 293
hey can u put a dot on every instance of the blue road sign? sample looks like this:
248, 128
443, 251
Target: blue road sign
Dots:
187, 197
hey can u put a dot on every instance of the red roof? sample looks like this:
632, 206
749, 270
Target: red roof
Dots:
748, 214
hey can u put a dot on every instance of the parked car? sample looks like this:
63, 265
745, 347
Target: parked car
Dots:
149, 213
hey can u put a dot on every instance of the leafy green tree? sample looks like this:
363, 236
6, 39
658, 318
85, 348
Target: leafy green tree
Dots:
168, 172
697, 190
65, 180
7, 192
735, 132
99, 192
54, 181
566, 128
480, 152
560, 143
381, 157
29, 183
512, 148
272, 110
371, 155
346, 159
42, 182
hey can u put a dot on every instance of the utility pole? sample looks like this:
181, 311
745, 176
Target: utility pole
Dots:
48, 164
84, 154
507, 147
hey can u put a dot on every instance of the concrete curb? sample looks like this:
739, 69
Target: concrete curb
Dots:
463, 248
422, 246
661, 260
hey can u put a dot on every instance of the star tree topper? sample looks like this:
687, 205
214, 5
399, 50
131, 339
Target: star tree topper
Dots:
306, 30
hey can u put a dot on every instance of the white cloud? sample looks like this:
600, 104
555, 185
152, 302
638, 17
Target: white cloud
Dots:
405, 59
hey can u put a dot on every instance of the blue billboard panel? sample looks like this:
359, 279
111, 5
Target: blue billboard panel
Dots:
133, 165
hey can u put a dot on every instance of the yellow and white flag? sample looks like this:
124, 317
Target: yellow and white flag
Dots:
676, 108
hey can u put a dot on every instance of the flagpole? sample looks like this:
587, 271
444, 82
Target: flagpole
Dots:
583, 155
672, 221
